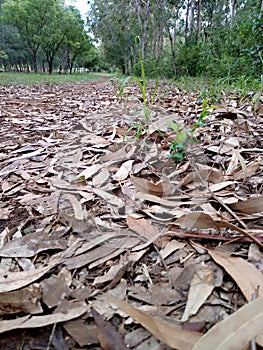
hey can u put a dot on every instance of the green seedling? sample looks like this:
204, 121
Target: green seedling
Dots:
120, 85
139, 129
142, 84
205, 112
183, 137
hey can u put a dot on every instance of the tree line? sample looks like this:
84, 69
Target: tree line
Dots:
217, 38
43, 35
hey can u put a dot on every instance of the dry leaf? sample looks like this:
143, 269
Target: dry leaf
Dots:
201, 287
235, 331
196, 220
26, 300
107, 335
144, 228
249, 206
14, 280
145, 186
33, 243
74, 310
247, 276
124, 171
175, 337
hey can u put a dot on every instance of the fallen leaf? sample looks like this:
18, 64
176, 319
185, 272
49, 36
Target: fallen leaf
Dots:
144, 228
177, 338
196, 220
124, 171
201, 287
74, 311
235, 331
14, 280
145, 186
107, 335
249, 206
25, 299
33, 243
247, 276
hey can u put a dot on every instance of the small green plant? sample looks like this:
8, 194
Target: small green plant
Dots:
182, 139
138, 126
142, 84
120, 85
205, 112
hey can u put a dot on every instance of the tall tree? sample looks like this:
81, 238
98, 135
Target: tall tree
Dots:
55, 33
78, 45
31, 18
115, 24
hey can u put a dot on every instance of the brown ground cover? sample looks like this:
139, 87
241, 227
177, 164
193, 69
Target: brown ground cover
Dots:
108, 242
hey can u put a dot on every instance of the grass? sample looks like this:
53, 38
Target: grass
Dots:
41, 78
215, 89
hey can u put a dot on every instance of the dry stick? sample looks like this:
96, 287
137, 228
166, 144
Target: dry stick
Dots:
51, 336
234, 227
252, 341
244, 233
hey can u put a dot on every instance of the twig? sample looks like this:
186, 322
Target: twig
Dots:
51, 336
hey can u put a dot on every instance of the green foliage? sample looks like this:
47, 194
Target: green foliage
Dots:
227, 43
183, 137
51, 32
3, 55
205, 112
120, 84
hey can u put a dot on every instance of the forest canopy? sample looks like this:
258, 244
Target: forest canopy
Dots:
215, 38
190, 37
43, 35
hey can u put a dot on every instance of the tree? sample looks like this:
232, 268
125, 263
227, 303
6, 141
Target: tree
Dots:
55, 33
31, 18
78, 45
114, 23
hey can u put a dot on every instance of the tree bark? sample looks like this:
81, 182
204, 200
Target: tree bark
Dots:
173, 51
199, 15
233, 8
191, 17
145, 29
35, 61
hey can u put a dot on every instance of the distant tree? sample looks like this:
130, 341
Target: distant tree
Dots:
115, 24
55, 33
78, 44
32, 19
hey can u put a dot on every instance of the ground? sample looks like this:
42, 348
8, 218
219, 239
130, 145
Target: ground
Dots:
124, 224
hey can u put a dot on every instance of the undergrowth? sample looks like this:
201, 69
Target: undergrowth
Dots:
215, 90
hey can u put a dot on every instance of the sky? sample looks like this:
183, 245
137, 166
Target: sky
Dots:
79, 4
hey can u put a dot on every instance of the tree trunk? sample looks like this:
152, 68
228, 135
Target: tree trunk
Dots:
199, 14
35, 61
191, 17
71, 67
145, 29
173, 51
233, 8
50, 66
186, 19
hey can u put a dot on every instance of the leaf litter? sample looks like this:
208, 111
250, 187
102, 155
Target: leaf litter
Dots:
107, 242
